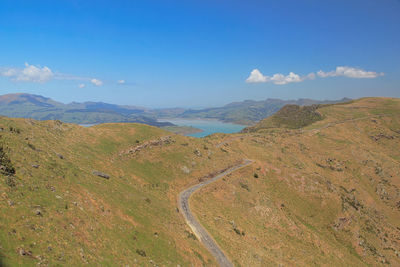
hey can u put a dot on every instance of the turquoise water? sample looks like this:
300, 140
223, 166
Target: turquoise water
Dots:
208, 126
88, 124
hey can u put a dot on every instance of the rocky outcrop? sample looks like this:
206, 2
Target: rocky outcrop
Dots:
101, 174
165, 140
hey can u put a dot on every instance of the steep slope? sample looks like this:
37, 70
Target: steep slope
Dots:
290, 116
325, 194
99, 195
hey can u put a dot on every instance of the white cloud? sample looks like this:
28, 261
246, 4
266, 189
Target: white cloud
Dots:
311, 76
349, 72
323, 74
257, 77
96, 82
121, 81
30, 73
38, 74
280, 79
8, 73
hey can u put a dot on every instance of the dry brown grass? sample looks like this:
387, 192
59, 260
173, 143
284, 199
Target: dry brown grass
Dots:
326, 194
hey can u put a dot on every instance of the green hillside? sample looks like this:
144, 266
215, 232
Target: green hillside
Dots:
55, 210
324, 194
290, 116
320, 192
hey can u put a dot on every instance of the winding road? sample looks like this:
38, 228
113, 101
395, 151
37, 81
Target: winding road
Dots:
200, 232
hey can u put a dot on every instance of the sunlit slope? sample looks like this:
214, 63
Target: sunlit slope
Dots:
290, 116
323, 194
57, 210
295, 117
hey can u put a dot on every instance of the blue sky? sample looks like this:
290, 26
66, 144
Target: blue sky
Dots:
199, 53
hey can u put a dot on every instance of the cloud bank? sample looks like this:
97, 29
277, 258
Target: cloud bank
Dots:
280, 79
38, 74
349, 72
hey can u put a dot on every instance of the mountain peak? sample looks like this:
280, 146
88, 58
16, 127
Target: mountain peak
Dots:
21, 98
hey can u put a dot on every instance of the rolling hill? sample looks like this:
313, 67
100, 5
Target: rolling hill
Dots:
320, 192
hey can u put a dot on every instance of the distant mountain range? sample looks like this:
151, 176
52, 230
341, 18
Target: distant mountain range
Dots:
42, 108
249, 112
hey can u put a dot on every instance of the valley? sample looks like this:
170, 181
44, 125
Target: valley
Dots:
321, 192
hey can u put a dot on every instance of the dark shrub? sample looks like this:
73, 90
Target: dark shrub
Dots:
141, 252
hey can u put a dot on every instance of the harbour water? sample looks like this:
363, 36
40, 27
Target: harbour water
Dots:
208, 126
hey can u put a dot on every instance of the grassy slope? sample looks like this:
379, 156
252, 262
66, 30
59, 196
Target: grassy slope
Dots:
327, 194
183, 130
290, 116
301, 209
85, 218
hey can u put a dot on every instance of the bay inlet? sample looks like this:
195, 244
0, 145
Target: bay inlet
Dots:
207, 126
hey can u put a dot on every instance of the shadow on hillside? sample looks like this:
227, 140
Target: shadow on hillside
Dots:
2, 264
